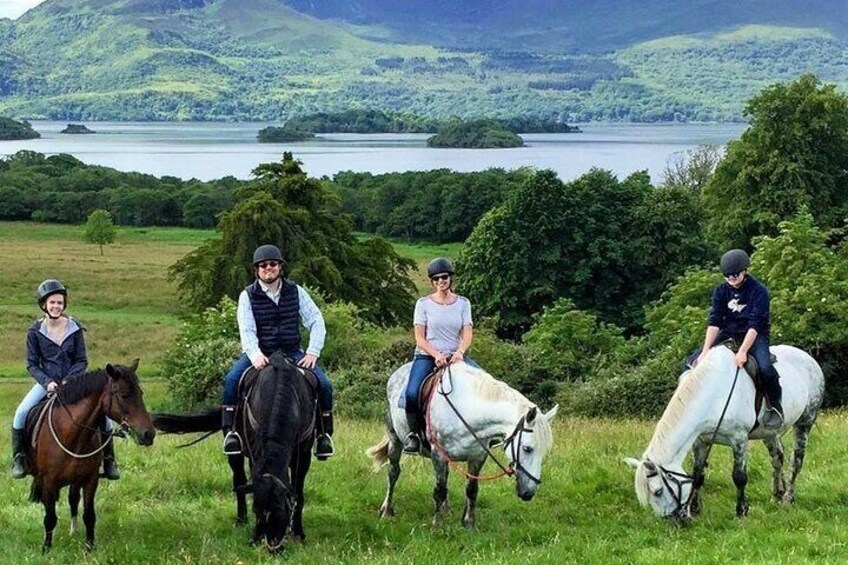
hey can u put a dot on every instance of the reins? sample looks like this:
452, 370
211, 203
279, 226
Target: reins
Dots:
506, 470
679, 479
50, 404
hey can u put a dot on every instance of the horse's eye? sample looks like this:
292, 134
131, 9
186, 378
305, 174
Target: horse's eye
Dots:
527, 449
658, 492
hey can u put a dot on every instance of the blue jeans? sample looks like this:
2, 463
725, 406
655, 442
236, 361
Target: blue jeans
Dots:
422, 365
230, 395
759, 351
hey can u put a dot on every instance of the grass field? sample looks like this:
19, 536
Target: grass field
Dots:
175, 506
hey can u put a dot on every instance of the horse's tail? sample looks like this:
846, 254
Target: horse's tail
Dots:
379, 453
207, 421
35, 491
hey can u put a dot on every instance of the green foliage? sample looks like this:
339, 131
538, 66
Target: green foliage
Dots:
808, 282
202, 353
99, 229
285, 134
438, 205
793, 155
301, 216
692, 169
61, 188
11, 130
475, 134
568, 345
551, 240
77, 129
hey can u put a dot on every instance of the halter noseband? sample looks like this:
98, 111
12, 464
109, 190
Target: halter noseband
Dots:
672, 479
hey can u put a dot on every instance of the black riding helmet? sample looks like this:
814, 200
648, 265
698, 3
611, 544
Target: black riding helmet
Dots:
734, 261
267, 253
48, 288
438, 266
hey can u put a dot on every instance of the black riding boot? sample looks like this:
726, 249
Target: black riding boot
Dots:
773, 416
324, 448
412, 444
110, 466
232, 441
18, 455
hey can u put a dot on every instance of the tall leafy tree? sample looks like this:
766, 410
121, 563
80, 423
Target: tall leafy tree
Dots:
794, 154
302, 217
99, 229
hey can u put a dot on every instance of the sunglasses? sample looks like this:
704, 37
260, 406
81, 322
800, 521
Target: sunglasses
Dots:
440, 278
733, 275
268, 264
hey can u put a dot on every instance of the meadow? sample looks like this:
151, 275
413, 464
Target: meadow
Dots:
175, 505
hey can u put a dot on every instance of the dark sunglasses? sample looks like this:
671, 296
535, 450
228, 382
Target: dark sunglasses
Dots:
732, 275
268, 264
440, 278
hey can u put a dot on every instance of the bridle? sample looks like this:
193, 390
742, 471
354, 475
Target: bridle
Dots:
513, 440
124, 426
679, 479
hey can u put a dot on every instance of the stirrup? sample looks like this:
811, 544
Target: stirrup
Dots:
412, 443
232, 443
772, 418
324, 441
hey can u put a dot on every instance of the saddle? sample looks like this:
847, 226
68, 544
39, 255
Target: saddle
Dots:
34, 420
425, 393
248, 379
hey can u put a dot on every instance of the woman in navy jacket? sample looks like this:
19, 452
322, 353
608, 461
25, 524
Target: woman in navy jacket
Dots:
55, 353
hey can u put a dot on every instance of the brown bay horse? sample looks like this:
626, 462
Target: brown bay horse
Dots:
67, 450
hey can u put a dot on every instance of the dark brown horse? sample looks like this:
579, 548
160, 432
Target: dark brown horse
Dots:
68, 450
277, 422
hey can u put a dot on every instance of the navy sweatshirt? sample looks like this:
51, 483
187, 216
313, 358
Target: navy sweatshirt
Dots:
735, 311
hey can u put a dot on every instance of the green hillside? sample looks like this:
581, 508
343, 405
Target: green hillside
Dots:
265, 60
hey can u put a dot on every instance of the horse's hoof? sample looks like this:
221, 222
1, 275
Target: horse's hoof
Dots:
469, 524
298, 537
45, 548
741, 511
241, 521
387, 511
89, 546
788, 498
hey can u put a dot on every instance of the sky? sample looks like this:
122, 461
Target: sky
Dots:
14, 8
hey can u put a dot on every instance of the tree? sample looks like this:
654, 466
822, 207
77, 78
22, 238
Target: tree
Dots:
794, 154
302, 217
692, 169
551, 240
99, 229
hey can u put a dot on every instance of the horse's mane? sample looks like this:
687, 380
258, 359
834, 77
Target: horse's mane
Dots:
691, 382
489, 388
279, 420
76, 389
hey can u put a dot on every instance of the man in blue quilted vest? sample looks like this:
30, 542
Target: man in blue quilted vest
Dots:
269, 313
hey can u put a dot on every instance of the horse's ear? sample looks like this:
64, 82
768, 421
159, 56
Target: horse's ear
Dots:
134, 365
531, 415
632, 463
110, 370
549, 415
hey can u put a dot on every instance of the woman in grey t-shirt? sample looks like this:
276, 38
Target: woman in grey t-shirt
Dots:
443, 333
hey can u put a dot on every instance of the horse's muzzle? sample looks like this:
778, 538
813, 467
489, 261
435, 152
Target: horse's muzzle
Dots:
145, 437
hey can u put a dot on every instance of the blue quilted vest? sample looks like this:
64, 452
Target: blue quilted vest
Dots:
277, 325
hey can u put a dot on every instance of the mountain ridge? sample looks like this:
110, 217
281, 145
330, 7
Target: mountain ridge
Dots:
273, 59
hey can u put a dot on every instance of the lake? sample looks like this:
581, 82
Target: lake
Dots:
205, 150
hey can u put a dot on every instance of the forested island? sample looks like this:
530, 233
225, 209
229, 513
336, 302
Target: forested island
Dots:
285, 134
11, 130
77, 129
475, 134
378, 121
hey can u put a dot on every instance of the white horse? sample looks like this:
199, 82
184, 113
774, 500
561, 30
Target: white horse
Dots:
694, 413
494, 411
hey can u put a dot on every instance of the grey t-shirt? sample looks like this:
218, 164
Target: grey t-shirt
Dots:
443, 323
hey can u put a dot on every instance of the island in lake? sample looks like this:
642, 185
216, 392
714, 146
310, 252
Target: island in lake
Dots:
12, 130
475, 134
77, 128
273, 134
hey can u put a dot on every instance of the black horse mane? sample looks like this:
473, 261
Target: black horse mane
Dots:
278, 421
81, 387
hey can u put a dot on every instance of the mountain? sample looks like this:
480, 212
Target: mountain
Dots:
653, 60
